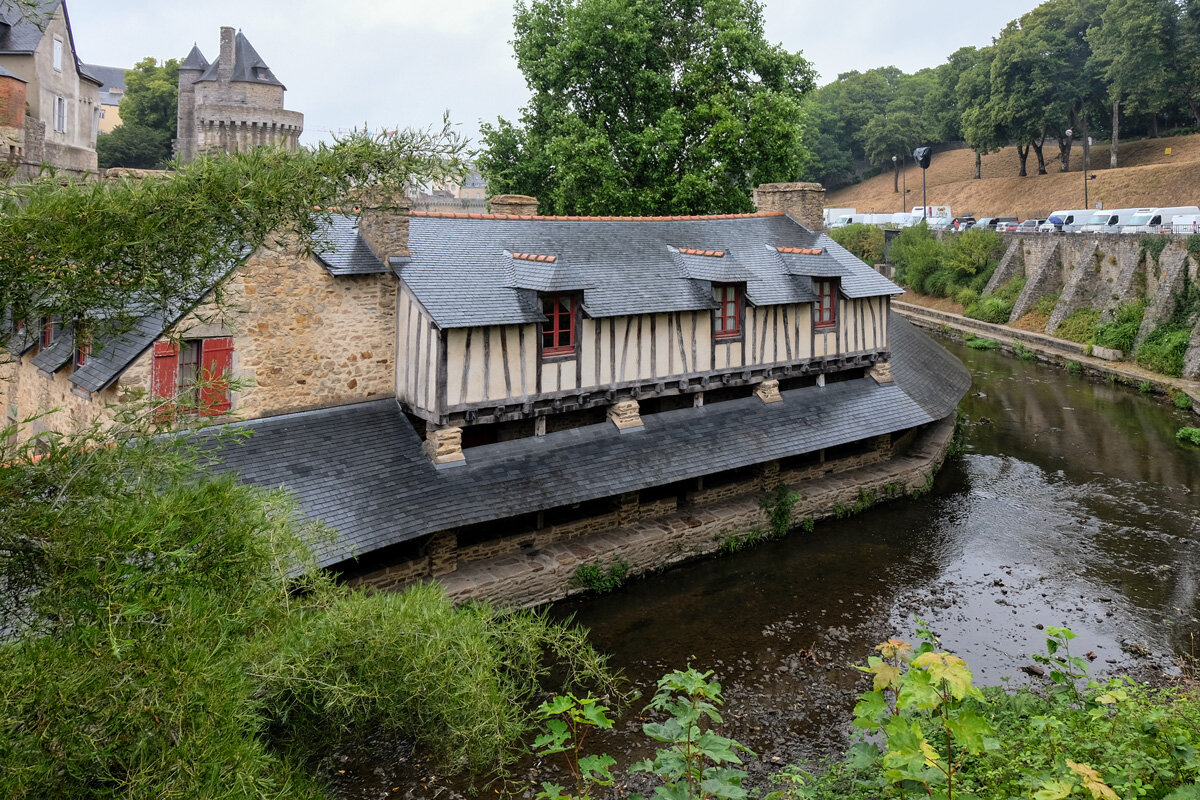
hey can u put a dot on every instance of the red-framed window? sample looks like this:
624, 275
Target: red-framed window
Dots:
558, 331
50, 330
83, 346
727, 324
825, 310
194, 372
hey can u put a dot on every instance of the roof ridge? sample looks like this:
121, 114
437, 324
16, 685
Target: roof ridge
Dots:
570, 218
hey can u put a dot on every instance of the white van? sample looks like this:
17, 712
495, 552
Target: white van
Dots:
830, 215
930, 213
1111, 220
1157, 220
1066, 221
1188, 223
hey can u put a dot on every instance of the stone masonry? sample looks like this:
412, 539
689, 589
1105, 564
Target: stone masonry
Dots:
520, 205
625, 415
803, 202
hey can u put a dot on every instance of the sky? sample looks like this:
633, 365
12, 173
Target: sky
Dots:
396, 63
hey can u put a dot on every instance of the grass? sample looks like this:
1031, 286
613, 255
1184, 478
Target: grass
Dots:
1189, 435
997, 307
1080, 326
598, 579
980, 343
1145, 177
1182, 401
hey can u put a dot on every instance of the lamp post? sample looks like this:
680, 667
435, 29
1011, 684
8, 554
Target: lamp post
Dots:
1069, 132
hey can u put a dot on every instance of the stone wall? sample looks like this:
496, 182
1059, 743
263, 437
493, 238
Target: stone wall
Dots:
803, 202
537, 566
1101, 272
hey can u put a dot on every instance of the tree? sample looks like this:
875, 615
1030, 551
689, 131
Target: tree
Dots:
980, 128
1187, 55
1133, 48
113, 252
649, 107
149, 111
132, 145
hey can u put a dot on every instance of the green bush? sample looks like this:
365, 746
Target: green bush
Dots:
917, 255
1191, 435
1120, 333
1045, 305
1074, 368
966, 297
973, 253
1182, 401
980, 343
864, 241
1080, 326
601, 579
992, 308
1164, 349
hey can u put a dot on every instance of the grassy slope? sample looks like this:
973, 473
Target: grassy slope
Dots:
1146, 177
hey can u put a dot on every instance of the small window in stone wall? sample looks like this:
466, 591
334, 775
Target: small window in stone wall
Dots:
58, 54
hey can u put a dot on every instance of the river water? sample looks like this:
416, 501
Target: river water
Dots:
1072, 505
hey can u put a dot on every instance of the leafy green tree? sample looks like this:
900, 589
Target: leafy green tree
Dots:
1187, 55
148, 118
1132, 47
980, 128
649, 107
133, 145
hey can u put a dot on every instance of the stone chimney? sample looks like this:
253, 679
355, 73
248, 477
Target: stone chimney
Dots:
225, 62
803, 202
517, 204
384, 222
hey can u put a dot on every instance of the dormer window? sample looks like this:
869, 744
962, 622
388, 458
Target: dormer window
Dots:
50, 329
727, 323
825, 309
558, 331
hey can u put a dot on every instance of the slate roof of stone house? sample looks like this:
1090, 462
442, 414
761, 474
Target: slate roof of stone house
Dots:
461, 269
360, 469
110, 78
342, 251
21, 33
248, 65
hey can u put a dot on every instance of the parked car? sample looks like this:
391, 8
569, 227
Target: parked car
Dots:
1006, 224
1053, 224
1188, 223
1029, 225
1157, 220
986, 223
940, 223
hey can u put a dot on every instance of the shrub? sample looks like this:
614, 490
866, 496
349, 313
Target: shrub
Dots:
1080, 326
1191, 435
864, 241
1164, 349
1121, 332
1045, 305
1074, 368
601, 579
980, 343
916, 255
992, 308
1146, 387
966, 297
1182, 401
973, 253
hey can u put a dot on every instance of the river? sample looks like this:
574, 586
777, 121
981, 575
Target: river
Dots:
1071, 504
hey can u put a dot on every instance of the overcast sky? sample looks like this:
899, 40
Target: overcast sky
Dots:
403, 62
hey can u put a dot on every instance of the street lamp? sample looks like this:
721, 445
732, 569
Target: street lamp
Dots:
1069, 133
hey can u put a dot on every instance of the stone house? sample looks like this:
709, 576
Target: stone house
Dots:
112, 89
440, 388
49, 103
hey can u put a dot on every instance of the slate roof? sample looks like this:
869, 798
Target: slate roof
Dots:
343, 252
248, 65
360, 468
462, 272
109, 78
21, 32
195, 59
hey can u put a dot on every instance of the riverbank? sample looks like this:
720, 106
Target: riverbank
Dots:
1047, 349
549, 573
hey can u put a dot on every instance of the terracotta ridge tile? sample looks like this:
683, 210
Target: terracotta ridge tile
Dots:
535, 257
691, 251
574, 218
803, 251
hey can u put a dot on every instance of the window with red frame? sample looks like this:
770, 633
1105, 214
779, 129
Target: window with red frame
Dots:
825, 311
194, 372
83, 347
50, 329
558, 332
728, 322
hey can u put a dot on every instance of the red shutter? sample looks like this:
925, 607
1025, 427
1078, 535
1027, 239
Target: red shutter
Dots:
216, 362
164, 374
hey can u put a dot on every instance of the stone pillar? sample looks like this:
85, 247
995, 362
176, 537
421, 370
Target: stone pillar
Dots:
883, 446
626, 415
444, 445
882, 372
768, 392
225, 60
627, 508
384, 222
539, 426
443, 553
517, 204
803, 202
767, 475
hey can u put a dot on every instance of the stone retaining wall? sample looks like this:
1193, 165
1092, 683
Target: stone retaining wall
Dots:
545, 573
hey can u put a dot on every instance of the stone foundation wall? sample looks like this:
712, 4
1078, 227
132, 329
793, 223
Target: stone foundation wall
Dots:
537, 567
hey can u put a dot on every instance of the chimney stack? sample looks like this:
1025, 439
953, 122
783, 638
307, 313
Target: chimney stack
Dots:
803, 202
384, 222
516, 204
225, 61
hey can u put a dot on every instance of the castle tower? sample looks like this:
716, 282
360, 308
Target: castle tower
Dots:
232, 104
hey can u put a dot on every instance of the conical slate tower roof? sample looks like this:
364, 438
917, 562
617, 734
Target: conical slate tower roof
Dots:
248, 66
195, 60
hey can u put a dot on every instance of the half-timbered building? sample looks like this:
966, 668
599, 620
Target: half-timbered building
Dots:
444, 388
